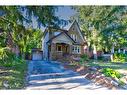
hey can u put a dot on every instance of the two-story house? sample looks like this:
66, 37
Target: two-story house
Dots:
63, 43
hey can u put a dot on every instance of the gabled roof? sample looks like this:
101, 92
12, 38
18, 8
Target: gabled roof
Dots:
64, 32
46, 30
80, 33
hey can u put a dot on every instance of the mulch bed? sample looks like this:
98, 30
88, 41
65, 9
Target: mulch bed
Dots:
95, 76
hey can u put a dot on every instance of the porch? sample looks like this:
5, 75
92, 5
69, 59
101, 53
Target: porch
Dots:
59, 51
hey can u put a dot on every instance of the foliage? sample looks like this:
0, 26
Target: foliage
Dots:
45, 15
119, 57
84, 58
6, 57
13, 75
101, 58
111, 73
103, 25
3, 36
27, 39
14, 70
17, 22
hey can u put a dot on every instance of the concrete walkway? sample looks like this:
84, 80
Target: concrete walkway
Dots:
44, 75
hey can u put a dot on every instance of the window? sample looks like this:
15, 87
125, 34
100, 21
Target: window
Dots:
74, 37
59, 48
76, 49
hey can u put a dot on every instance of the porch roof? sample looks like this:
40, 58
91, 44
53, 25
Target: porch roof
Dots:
64, 33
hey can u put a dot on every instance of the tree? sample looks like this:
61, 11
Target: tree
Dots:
101, 24
26, 39
14, 20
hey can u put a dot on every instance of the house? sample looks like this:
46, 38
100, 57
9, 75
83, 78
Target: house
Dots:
62, 43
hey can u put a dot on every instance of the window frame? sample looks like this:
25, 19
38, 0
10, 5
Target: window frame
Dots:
58, 48
74, 37
76, 49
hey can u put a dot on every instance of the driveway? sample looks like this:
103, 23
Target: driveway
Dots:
46, 75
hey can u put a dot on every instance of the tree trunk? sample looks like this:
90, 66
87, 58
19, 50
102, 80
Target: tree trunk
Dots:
23, 55
95, 52
112, 51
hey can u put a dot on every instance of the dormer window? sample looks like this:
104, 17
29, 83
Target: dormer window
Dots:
74, 37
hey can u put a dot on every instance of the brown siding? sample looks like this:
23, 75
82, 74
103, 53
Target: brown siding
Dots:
73, 30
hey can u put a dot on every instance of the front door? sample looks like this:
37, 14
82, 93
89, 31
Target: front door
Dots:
65, 50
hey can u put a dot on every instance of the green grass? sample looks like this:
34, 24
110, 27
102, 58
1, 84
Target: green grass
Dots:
14, 74
107, 65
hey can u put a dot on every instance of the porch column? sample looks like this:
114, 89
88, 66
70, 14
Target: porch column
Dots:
53, 51
70, 49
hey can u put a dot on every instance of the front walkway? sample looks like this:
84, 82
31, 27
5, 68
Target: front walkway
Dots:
43, 75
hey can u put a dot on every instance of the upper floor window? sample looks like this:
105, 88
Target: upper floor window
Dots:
74, 37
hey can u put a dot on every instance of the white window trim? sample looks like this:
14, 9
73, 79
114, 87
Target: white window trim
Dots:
74, 37
75, 49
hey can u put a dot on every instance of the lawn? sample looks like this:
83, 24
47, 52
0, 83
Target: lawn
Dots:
107, 65
12, 75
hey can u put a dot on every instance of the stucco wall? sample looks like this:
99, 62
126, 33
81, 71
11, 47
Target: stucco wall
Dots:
62, 39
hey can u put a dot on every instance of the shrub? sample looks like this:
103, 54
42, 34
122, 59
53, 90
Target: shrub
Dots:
111, 73
101, 58
7, 58
15, 77
14, 68
119, 57
84, 57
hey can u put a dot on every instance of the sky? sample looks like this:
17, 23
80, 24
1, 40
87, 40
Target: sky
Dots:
64, 12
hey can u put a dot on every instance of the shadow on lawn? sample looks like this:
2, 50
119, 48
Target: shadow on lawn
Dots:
64, 82
108, 65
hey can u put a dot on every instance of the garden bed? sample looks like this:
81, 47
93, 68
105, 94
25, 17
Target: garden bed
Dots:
94, 74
